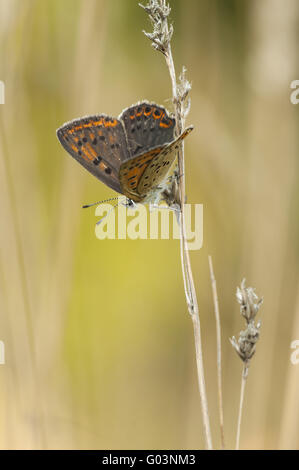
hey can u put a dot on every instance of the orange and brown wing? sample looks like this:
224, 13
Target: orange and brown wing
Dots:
99, 144
131, 172
147, 125
161, 165
139, 175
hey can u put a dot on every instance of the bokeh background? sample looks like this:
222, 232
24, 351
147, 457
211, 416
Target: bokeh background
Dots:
98, 342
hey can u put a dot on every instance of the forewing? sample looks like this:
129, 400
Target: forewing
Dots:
140, 174
158, 169
99, 144
131, 171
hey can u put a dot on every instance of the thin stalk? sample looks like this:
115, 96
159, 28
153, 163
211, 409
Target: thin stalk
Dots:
186, 266
243, 383
158, 11
219, 362
245, 345
185, 258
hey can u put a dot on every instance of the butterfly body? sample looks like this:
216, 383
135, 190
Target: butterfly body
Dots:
133, 154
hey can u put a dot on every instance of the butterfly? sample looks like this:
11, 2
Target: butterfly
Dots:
133, 154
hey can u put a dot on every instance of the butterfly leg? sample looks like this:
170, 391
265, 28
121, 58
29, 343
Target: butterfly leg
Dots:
169, 208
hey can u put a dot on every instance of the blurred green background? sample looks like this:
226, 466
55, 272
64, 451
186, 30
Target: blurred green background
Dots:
98, 342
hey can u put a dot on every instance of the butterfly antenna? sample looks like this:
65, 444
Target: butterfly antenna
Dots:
99, 202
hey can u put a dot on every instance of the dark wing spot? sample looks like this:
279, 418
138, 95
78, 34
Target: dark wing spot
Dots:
94, 142
167, 122
108, 170
97, 160
84, 139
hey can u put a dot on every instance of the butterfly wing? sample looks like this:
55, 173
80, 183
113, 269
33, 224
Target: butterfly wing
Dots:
156, 172
131, 172
99, 144
139, 175
147, 126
